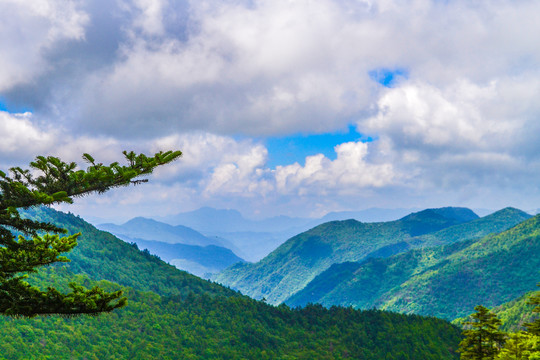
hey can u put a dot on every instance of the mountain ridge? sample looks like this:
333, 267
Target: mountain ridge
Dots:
407, 282
305, 255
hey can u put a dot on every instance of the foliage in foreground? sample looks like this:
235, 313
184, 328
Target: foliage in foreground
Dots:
52, 181
483, 340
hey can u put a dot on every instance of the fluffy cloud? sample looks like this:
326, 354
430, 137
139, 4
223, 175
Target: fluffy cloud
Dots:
23, 138
463, 135
219, 166
31, 29
146, 68
104, 76
418, 115
351, 172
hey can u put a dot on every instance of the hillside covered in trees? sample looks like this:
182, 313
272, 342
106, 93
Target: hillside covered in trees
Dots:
172, 314
292, 266
445, 281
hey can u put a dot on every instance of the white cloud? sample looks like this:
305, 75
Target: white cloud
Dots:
264, 67
150, 18
350, 173
461, 117
20, 138
30, 29
152, 75
23, 138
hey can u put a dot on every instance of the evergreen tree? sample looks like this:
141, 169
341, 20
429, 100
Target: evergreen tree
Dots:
52, 181
518, 346
534, 327
483, 339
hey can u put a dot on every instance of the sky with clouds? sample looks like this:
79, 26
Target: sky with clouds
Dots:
294, 107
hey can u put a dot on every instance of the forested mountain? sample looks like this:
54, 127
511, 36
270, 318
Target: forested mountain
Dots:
294, 264
444, 281
174, 315
205, 327
494, 223
513, 314
101, 255
254, 239
367, 215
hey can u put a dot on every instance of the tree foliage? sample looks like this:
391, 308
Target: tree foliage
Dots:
483, 339
534, 326
25, 244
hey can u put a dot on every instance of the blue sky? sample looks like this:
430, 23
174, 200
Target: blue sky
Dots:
389, 77
297, 108
13, 109
295, 148
3, 107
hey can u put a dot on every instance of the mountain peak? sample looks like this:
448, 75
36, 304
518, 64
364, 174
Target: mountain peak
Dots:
457, 214
140, 220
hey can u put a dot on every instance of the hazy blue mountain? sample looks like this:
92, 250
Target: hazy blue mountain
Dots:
148, 229
254, 239
210, 220
251, 245
445, 281
197, 260
296, 262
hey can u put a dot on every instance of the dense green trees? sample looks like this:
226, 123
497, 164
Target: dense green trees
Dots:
48, 181
212, 325
174, 315
534, 326
484, 341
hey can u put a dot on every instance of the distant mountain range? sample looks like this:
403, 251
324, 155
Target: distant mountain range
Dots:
202, 261
179, 245
249, 239
148, 229
292, 266
254, 239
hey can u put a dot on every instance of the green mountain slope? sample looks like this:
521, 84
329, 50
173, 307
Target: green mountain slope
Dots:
494, 223
102, 256
513, 314
444, 281
295, 263
204, 327
183, 317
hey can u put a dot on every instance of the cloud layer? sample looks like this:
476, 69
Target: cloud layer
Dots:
215, 78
